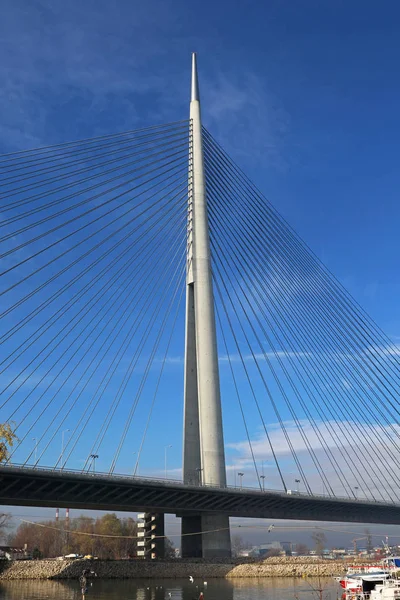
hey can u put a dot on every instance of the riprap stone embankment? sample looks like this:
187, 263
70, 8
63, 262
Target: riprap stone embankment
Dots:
125, 569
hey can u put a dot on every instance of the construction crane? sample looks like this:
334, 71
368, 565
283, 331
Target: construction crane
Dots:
368, 537
357, 540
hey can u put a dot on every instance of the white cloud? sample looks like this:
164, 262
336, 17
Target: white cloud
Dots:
379, 472
240, 110
81, 60
260, 356
388, 350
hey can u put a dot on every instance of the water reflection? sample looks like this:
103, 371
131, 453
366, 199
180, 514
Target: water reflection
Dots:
171, 589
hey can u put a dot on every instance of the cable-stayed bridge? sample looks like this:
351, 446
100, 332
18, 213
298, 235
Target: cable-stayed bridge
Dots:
127, 260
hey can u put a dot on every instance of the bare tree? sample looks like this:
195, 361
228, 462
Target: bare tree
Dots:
238, 544
319, 539
107, 537
4, 524
272, 553
368, 540
169, 549
44, 537
301, 549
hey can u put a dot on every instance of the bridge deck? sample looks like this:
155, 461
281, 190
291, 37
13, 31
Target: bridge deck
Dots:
38, 487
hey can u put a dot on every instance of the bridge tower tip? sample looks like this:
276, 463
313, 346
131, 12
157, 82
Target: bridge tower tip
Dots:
195, 81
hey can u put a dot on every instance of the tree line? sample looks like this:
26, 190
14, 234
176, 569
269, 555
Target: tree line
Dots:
48, 539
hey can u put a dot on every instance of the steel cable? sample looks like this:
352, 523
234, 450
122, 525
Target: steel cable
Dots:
63, 309
104, 323
332, 284
81, 315
247, 267
50, 148
148, 157
168, 241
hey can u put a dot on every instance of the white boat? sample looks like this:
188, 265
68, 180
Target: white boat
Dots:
374, 574
391, 563
357, 582
389, 590
366, 587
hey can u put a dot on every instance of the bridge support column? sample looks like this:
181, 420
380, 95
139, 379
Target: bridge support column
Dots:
191, 545
216, 543
204, 454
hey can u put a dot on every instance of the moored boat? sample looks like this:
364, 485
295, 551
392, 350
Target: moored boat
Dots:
389, 590
355, 582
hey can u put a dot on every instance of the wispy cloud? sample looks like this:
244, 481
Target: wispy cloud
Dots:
242, 111
69, 74
356, 441
260, 356
388, 350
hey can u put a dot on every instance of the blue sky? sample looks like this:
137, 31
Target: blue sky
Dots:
304, 96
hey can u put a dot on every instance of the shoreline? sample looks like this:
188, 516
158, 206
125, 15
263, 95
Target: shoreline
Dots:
174, 569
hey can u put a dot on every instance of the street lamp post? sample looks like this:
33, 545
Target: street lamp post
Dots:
356, 491
35, 450
62, 446
241, 479
93, 457
199, 477
136, 465
165, 458
262, 476
297, 481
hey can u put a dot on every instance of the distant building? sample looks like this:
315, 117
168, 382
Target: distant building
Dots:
287, 547
263, 549
12, 553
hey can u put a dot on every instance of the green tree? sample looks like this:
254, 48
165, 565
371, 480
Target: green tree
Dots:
109, 525
82, 544
7, 439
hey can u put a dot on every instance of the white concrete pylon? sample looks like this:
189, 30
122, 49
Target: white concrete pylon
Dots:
204, 455
208, 386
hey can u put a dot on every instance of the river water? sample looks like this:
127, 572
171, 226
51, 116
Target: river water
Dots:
174, 589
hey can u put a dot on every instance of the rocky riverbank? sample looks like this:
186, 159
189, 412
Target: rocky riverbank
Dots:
124, 569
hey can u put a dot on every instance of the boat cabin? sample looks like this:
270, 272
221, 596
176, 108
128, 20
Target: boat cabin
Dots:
391, 562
